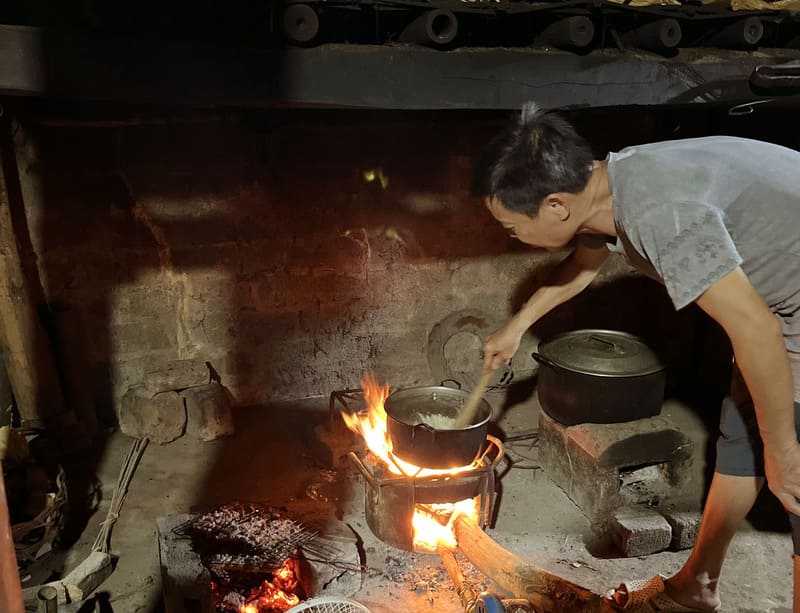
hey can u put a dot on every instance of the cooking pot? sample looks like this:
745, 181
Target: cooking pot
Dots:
430, 447
599, 376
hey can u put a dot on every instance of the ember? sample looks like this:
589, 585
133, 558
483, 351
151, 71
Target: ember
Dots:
274, 595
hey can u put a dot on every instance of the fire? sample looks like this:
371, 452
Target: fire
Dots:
370, 423
275, 595
430, 534
430, 531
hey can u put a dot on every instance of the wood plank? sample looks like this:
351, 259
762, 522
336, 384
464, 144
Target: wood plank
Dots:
29, 359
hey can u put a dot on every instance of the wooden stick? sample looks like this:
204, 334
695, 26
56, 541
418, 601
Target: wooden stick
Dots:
467, 414
10, 586
547, 592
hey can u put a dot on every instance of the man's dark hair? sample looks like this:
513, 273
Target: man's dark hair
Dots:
539, 155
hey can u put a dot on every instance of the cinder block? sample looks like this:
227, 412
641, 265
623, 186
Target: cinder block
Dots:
208, 411
185, 582
177, 375
639, 531
685, 526
161, 418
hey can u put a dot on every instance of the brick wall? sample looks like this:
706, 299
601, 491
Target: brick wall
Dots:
259, 243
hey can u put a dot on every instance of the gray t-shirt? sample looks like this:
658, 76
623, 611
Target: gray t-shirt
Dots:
688, 212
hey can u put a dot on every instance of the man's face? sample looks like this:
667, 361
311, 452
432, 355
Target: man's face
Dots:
550, 229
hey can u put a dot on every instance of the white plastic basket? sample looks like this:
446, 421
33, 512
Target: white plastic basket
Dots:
324, 604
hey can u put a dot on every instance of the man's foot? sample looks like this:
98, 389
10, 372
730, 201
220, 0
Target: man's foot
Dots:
699, 594
652, 595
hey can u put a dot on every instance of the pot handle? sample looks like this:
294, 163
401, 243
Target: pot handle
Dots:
457, 383
543, 360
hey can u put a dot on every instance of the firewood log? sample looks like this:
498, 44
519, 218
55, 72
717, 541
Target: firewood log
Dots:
547, 592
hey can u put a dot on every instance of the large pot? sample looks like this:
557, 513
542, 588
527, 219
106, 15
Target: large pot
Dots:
421, 444
599, 376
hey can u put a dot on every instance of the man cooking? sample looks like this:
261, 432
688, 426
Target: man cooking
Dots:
717, 221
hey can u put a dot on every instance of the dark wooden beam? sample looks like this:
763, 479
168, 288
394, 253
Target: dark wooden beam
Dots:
36, 62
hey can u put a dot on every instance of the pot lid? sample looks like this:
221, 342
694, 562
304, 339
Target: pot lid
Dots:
602, 352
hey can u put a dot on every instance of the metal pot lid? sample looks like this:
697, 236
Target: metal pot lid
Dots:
609, 353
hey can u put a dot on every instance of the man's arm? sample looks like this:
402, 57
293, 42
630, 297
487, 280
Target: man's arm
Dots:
760, 353
567, 279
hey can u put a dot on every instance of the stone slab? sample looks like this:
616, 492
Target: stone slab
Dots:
209, 413
161, 418
177, 375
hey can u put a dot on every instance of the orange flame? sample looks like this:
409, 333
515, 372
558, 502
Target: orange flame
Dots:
370, 423
276, 594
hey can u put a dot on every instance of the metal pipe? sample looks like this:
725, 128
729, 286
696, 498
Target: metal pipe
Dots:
576, 32
659, 35
10, 586
435, 28
300, 23
47, 600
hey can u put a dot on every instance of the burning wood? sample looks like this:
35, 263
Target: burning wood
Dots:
277, 594
253, 553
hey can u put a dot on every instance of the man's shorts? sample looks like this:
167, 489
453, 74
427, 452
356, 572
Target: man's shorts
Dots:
740, 450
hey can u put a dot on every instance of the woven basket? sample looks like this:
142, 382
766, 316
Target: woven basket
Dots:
329, 605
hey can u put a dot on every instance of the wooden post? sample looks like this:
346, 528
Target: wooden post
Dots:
29, 359
548, 593
10, 587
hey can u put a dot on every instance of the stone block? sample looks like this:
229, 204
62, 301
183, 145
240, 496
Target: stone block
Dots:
209, 413
639, 531
30, 594
177, 375
332, 441
685, 526
88, 575
185, 582
161, 418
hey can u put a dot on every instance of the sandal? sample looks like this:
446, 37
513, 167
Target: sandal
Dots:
648, 596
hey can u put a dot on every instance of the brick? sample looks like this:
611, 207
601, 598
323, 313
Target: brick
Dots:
208, 411
685, 526
177, 375
161, 418
639, 531
615, 465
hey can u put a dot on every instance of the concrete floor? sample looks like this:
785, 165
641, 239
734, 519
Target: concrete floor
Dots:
269, 461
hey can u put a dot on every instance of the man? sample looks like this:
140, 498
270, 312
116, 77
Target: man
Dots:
717, 221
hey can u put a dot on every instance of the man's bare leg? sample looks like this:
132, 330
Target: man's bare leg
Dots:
729, 500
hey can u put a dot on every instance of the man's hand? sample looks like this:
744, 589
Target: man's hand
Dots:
783, 476
501, 345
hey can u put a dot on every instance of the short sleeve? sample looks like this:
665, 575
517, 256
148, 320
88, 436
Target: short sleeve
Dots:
689, 247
